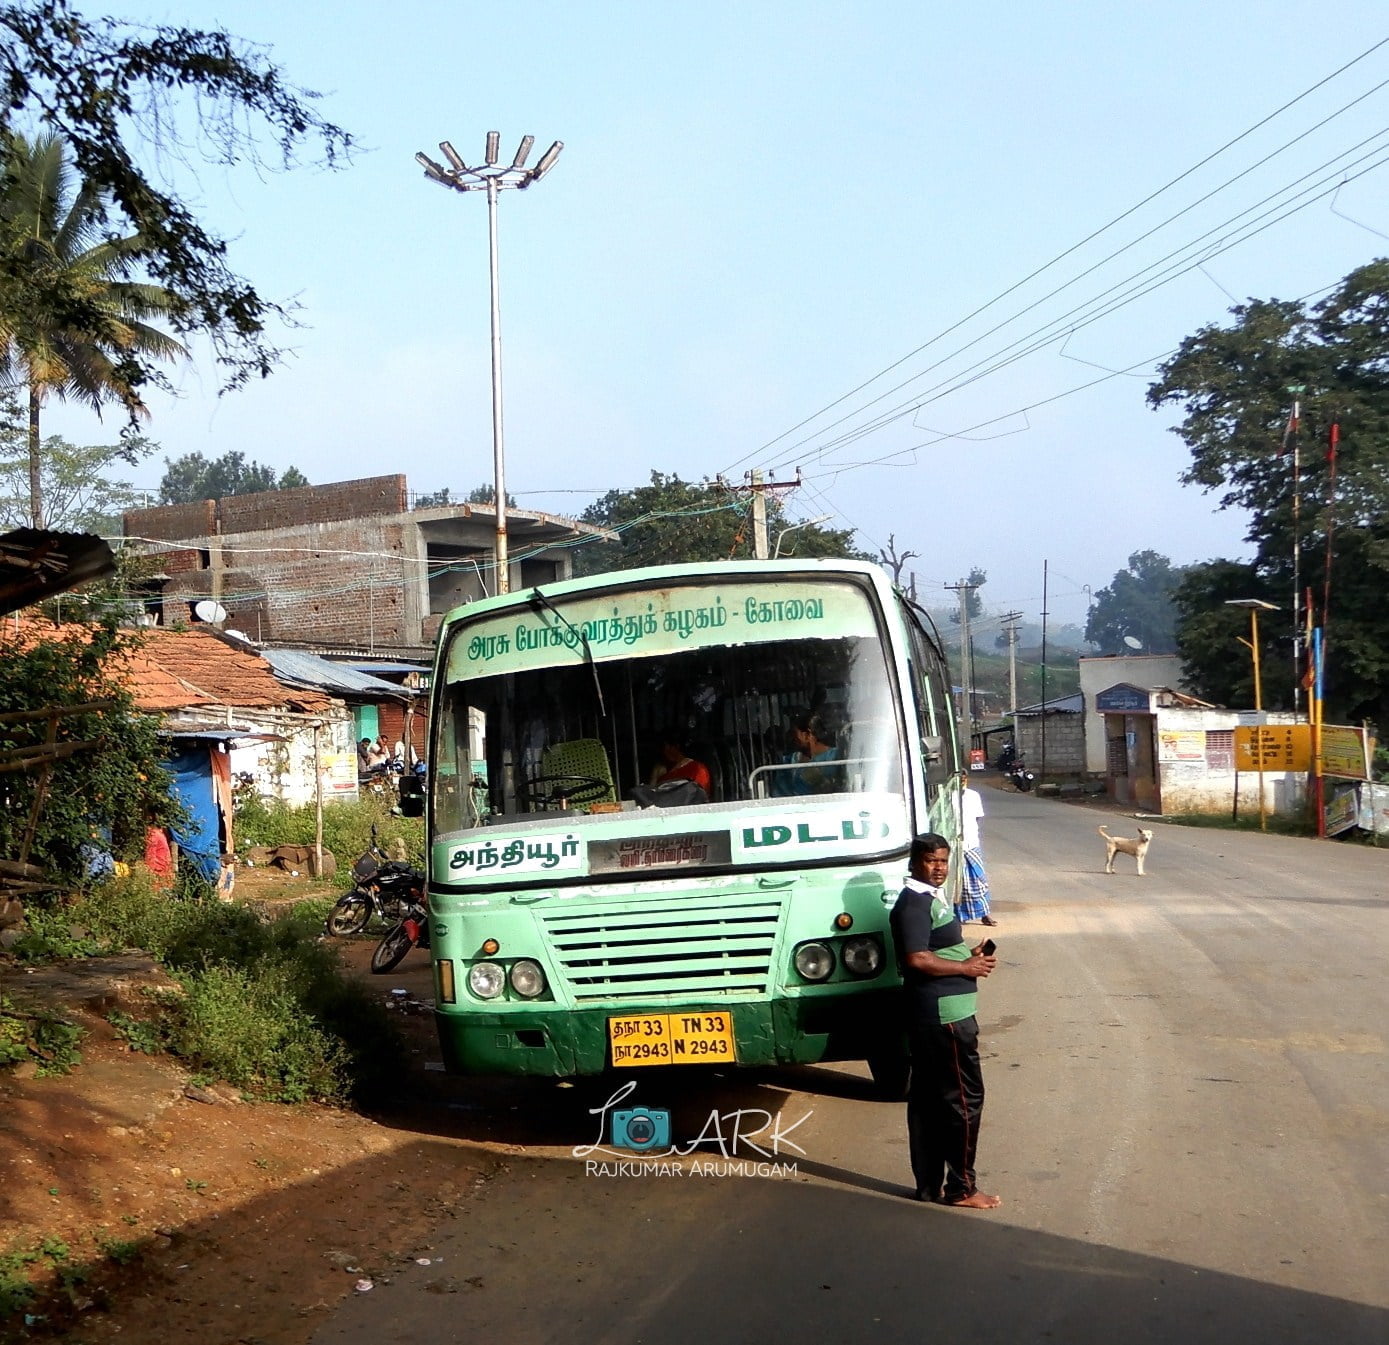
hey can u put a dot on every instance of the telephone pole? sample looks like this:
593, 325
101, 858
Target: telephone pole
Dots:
1010, 625
761, 542
964, 590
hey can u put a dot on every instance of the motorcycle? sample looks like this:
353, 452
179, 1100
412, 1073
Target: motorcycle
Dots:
411, 932
1021, 778
383, 887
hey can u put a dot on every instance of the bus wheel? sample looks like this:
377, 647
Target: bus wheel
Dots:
892, 1075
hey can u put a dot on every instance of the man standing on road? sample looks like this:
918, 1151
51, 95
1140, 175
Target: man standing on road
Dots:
940, 973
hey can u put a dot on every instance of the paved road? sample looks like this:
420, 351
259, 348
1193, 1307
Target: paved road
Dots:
1188, 1120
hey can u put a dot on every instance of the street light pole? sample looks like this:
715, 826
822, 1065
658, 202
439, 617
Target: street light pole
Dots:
1255, 606
501, 544
492, 177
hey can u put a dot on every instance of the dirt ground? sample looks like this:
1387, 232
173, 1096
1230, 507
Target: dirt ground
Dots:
188, 1213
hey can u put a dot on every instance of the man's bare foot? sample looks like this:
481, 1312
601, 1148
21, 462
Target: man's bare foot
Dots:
977, 1200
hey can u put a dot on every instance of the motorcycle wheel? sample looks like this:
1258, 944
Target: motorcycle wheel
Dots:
390, 952
350, 914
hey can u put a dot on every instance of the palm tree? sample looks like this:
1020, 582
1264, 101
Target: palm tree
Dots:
71, 317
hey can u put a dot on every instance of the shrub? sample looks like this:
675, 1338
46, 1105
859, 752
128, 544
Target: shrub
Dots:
346, 827
266, 1004
107, 794
38, 1035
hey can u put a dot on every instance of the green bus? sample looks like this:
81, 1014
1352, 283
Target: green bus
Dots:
584, 918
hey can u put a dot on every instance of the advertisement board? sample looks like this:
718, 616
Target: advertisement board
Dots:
1343, 751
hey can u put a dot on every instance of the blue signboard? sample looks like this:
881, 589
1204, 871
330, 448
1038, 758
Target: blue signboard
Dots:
1123, 699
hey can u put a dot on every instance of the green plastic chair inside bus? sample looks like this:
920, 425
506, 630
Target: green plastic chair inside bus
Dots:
581, 757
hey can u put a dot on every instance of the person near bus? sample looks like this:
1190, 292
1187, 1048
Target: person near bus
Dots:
940, 975
974, 887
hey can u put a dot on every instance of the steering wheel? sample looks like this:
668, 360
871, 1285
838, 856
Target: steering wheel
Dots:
563, 789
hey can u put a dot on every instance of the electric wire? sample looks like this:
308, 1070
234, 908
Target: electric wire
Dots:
1177, 266
1090, 237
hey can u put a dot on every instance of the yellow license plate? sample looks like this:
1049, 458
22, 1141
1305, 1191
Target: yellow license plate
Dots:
672, 1039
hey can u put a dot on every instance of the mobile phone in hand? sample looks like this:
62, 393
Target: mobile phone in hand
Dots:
987, 947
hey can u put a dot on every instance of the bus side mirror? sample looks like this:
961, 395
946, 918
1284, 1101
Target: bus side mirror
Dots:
411, 796
933, 752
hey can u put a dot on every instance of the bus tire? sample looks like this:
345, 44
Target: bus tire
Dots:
892, 1075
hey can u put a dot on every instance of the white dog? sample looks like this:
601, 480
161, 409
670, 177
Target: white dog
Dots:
1137, 846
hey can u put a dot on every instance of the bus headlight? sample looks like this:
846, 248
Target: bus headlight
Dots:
814, 961
862, 956
527, 980
486, 979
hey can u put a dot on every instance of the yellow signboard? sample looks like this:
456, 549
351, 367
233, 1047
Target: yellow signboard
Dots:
1273, 747
1343, 751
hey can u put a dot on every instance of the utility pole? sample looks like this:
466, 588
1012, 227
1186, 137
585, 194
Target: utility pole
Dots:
1041, 774
761, 542
964, 590
761, 546
1010, 625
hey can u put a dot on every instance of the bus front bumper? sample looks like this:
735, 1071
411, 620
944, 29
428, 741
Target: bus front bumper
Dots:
565, 1042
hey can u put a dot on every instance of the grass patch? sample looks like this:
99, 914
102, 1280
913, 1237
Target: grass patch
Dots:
38, 1035
346, 827
264, 1002
1280, 826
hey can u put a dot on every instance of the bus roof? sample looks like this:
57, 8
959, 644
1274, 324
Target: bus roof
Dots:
666, 574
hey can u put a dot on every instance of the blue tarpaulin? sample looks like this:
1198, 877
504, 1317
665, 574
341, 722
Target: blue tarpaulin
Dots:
200, 839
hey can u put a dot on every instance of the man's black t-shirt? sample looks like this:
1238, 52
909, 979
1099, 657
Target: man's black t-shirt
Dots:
923, 920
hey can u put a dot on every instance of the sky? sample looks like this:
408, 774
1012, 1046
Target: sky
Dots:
772, 225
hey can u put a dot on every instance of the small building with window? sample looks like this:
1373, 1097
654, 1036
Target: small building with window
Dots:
1167, 752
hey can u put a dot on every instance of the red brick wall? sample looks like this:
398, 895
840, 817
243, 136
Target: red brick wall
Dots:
338, 500
172, 522
332, 503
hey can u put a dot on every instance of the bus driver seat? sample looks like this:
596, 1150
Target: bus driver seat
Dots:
581, 759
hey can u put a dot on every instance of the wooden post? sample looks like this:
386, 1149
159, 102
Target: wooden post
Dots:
317, 802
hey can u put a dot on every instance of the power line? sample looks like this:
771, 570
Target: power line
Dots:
1043, 335
1075, 247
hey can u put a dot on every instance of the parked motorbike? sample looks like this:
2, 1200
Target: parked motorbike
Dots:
1007, 757
383, 887
411, 932
1021, 778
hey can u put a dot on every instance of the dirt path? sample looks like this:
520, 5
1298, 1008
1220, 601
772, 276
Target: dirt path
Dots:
181, 1212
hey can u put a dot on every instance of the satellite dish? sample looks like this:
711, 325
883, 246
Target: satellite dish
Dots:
237, 634
209, 611
1132, 643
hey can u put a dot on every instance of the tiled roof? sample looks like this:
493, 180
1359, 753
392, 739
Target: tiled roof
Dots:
176, 669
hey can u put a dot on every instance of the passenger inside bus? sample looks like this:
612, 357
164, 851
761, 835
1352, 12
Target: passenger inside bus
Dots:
676, 764
815, 750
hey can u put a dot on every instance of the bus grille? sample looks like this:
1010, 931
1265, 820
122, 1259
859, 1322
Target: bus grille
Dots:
666, 947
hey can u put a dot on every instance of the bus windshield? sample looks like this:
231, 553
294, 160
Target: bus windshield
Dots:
689, 698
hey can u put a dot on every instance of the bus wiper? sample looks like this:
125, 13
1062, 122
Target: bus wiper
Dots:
538, 601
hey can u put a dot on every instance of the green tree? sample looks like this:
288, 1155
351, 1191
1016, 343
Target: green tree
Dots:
671, 521
1137, 605
108, 794
193, 477
1218, 667
1236, 386
72, 320
977, 579
79, 495
116, 91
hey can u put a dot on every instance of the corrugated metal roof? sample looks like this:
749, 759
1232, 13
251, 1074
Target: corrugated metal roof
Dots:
1062, 705
294, 667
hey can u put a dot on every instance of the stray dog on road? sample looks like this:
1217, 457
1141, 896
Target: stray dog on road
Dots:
1137, 846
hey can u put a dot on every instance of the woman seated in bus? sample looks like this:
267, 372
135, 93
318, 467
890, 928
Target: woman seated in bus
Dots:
814, 747
676, 764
